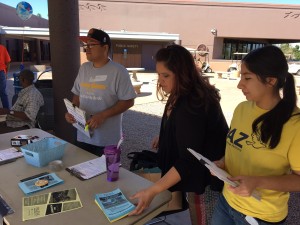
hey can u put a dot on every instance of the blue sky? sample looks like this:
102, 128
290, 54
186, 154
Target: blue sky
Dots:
41, 6
38, 6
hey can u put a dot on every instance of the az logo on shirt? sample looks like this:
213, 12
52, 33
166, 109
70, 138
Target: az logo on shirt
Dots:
236, 139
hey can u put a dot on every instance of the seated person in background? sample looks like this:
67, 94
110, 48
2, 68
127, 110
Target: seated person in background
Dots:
23, 113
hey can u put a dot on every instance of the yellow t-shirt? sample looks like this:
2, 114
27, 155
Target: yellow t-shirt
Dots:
247, 155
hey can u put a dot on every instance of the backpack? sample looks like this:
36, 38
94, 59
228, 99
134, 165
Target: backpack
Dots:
143, 159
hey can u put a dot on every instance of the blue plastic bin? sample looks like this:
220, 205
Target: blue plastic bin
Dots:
42, 152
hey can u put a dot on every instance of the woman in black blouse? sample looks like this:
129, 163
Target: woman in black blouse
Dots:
192, 118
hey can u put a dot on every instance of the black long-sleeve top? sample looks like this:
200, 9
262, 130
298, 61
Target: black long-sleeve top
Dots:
204, 132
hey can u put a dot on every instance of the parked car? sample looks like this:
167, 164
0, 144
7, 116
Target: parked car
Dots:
294, 69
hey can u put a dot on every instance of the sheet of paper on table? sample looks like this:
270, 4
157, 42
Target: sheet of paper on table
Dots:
38, 206
9, 154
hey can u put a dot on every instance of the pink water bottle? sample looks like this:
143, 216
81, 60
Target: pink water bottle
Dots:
112, 156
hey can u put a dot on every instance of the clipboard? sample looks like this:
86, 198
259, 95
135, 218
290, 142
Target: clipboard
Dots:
89, 169
9, 155
220, 173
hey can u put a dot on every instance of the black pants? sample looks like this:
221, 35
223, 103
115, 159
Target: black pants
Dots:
96, 150
5, 129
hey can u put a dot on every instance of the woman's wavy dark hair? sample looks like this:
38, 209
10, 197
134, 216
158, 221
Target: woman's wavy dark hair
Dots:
269, 61
188, 79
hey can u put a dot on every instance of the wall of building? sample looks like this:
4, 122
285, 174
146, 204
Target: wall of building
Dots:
194, 20
133, 53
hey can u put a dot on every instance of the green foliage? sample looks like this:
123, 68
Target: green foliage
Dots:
290, 51
39, 15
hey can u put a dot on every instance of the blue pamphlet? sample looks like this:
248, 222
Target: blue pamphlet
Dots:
114, 204
39, 183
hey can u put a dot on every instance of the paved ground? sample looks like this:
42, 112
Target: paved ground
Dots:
142, 123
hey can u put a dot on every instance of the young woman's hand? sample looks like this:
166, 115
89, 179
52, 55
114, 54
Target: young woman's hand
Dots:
220, 163
246, 187
144, 197
155, 142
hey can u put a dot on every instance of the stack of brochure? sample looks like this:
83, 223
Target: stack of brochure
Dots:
114, 204
38, 183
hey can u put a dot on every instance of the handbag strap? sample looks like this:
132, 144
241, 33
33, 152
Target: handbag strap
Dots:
133, 155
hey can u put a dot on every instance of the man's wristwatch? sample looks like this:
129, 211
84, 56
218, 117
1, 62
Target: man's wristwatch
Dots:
11, 112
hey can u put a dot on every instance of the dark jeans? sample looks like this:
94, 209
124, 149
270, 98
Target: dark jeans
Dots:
5, 129
3, 94
224, 214
96, 150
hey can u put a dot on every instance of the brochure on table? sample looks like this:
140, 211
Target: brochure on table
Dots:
88, 169
40, 183
79, 116
37, 206
114, 204
10, 153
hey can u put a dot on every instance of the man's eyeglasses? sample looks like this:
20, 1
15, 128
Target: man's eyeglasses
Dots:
86, 46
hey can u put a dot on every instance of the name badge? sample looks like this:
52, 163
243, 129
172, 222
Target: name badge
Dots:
98, 78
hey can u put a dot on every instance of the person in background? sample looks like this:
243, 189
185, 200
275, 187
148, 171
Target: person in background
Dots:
104, 90
192, 118
22, 114
262, 151
4, 67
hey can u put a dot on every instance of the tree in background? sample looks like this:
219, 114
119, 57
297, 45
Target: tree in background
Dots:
291, 52
296, 52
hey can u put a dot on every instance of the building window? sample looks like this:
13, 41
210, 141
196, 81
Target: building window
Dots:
231, 46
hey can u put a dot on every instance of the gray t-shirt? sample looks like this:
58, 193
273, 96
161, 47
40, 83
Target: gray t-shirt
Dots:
99, 89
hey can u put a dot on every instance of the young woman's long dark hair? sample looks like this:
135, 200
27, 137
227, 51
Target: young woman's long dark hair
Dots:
270, 61
188, 79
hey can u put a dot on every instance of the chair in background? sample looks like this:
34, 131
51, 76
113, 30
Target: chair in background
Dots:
45, 116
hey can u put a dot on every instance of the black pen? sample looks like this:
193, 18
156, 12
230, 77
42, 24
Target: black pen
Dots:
34, 176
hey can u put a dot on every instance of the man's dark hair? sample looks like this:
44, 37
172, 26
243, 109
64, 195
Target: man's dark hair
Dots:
27, 75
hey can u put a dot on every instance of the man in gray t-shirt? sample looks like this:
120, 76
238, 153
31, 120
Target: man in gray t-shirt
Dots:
103, 89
